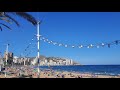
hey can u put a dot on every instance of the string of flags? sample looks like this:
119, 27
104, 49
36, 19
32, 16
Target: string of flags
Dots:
28, 52
28, 47
116, 42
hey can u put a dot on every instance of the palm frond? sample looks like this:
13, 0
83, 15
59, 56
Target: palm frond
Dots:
12, 19
5, 26
5, 19
0, 28
26, 16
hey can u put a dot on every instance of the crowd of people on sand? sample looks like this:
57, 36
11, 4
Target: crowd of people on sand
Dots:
29, 72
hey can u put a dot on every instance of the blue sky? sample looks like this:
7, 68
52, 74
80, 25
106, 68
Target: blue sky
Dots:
72, 28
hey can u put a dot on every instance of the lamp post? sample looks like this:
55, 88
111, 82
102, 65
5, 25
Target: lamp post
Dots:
38, 47
7, 53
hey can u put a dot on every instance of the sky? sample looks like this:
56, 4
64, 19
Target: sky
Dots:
73, 28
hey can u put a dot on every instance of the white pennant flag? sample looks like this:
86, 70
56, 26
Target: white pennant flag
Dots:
65, 45
73, 46
97, 46
60, 44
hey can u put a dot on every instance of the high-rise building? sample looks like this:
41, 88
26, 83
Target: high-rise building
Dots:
9, 57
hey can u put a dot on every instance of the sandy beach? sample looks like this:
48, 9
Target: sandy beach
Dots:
27, 72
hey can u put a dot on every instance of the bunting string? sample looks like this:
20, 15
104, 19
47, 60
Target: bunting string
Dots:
29, 49
116, 42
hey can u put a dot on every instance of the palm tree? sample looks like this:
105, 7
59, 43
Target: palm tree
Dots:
5, 16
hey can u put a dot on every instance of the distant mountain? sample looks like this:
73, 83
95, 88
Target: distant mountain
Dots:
55, 59
42, 57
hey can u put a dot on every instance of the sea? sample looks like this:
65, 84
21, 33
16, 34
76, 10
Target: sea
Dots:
112, 70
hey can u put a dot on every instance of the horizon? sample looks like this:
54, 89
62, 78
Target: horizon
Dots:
72, 28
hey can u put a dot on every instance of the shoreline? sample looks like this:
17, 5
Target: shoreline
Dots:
30, 72
81, 72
